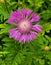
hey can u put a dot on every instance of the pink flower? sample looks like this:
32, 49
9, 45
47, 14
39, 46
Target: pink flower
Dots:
25, 30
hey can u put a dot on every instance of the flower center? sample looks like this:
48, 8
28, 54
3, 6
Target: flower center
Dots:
24, 26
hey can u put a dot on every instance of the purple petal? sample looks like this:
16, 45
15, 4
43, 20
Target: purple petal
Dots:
14, 34
29, 38
37, 28
35, 17
28, 13
10, 21
12, 31
33, 35
15, 16
24, 12
23, 38
26, 37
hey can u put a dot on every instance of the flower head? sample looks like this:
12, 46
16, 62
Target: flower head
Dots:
26, 29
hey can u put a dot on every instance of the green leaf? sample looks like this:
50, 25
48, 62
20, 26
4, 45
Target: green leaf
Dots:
45, 14
36, 4
46, 27
3, 25
5, 28
48, 55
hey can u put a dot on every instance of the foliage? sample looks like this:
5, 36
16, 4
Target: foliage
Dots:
33, 53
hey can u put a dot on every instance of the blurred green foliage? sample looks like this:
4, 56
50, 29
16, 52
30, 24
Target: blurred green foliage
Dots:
34, 52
